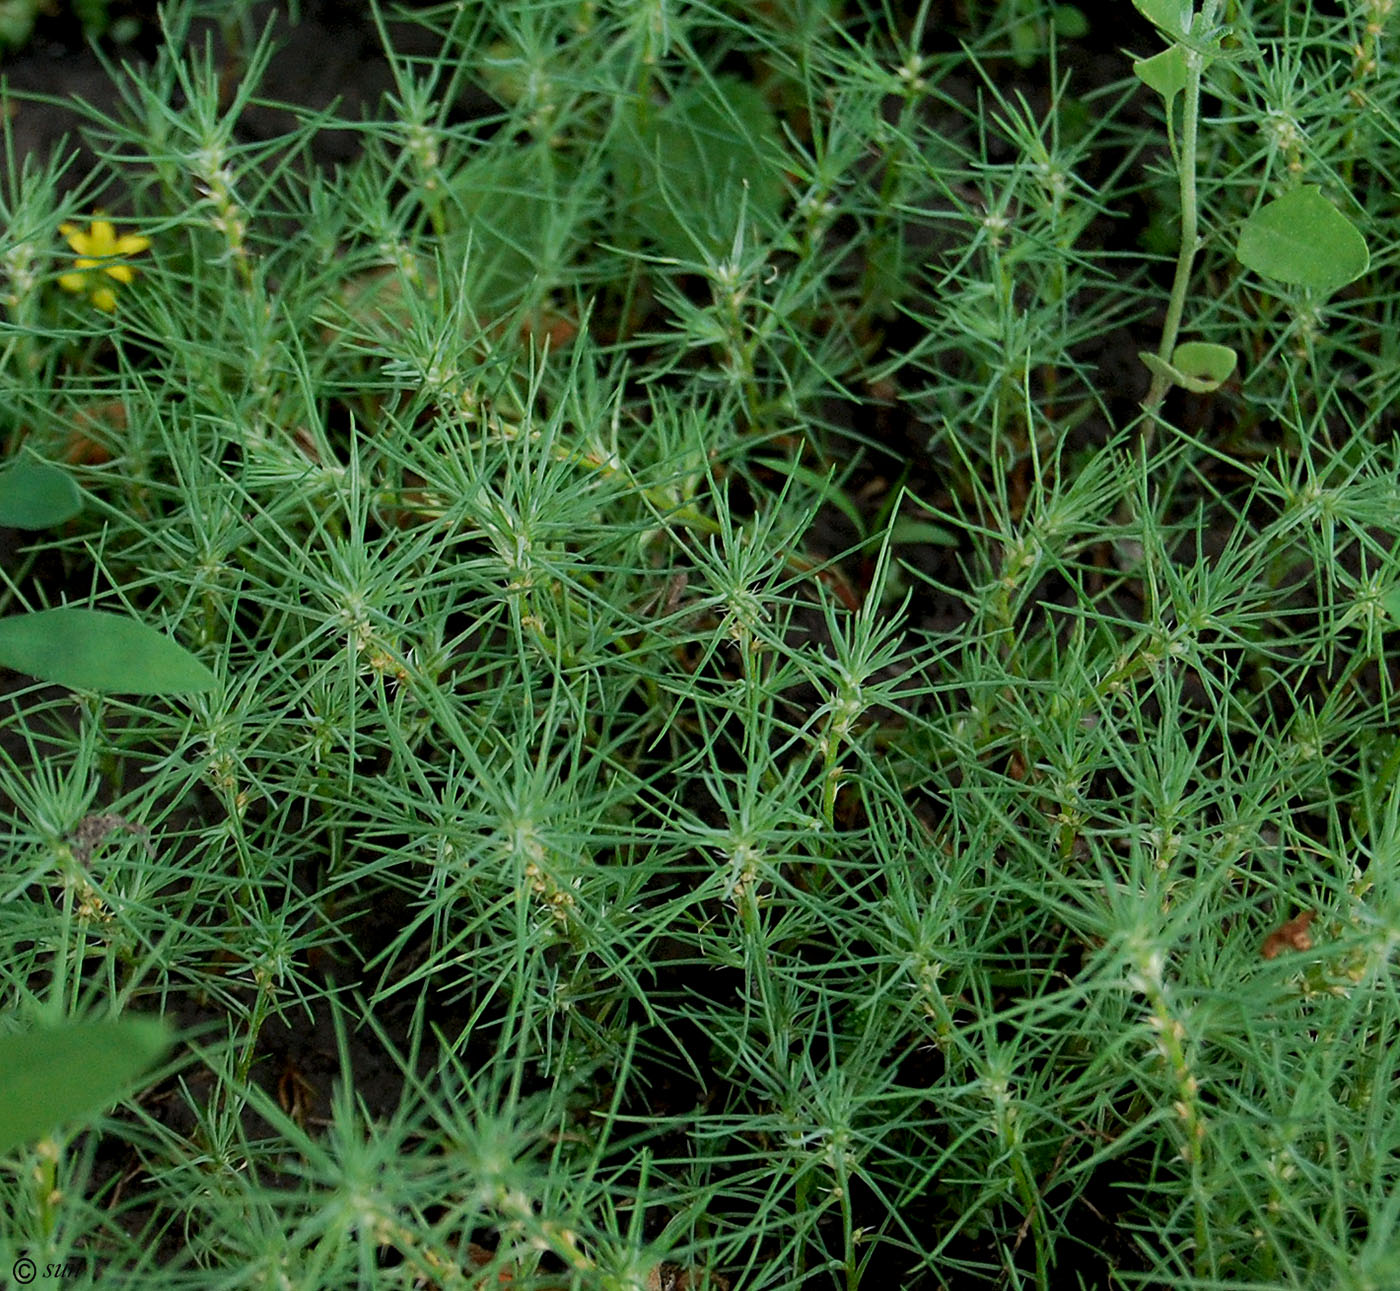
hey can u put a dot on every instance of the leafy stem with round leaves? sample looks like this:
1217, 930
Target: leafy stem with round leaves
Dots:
1179, 69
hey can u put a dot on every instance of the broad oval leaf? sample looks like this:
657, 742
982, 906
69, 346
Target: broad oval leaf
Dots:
520, 215
70, 1072
1164, 72
1301, 238
1187, 378
1204, 363
35, 495
93, 650
1170, 16
691, 165
1390, 602
1069, 20
920, 532
821, 484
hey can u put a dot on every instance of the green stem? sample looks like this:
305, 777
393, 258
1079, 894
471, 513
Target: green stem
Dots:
1186, 256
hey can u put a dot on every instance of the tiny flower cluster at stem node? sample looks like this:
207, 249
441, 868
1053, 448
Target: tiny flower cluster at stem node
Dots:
100, 251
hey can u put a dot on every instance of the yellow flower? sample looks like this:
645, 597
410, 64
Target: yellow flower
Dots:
98, 249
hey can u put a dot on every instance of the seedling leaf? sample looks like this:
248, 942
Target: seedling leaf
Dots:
70, 1072
1301, 238
1390, 602
93, 650
520, 214
921, 533
821, 484
1069, 21
35, 495
1203, 363
1170, 16
1164, 72
692, 160
1193, 371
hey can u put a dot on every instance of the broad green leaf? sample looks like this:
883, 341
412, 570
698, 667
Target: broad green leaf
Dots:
821, 484
1160, 369
1390, 602
1026, 41
1170, 16
34, 495
1203, 363
695, 162
93, 650
1301, 238
920, 532
1069, 21
71, 1072
16, 24
1164, 72
1186, 379
513, 219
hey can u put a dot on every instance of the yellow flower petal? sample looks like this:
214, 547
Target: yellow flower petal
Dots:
99, 253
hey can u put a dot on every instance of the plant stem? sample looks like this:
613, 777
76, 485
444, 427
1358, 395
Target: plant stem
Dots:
1186, 171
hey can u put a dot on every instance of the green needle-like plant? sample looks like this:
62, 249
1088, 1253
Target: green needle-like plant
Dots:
624, 655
